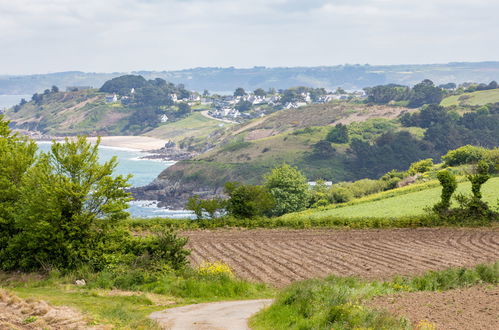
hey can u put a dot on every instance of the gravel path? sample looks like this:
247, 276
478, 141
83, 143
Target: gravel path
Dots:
227, 315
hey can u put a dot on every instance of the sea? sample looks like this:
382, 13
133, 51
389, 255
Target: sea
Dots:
7, 101
144, 171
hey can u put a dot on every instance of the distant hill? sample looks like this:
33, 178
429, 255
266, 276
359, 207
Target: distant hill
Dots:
228, 79
472, 99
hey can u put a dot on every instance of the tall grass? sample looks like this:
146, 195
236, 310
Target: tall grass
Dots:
336, 303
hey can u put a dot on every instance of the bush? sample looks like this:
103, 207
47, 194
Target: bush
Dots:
465, 155
338, 134
247, 201
477, 179
210, 206
421, 166
449, 185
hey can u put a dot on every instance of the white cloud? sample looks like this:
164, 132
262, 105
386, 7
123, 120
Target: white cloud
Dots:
124, 35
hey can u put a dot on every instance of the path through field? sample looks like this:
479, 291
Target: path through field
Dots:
226, 315
280, 257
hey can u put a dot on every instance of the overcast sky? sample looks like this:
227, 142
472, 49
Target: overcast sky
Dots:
38, 36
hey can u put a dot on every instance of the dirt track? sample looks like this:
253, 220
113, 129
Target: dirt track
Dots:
282, 256
232, 315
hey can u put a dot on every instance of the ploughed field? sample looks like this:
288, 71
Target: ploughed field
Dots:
283, 256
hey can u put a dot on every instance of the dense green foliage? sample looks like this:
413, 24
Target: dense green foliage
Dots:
423, 93
468, 154
446, 130
123, 85
338, 134
449, 185
389, 151
62, 210
289, 188
248, 201
63, 195
16, 156
478, 178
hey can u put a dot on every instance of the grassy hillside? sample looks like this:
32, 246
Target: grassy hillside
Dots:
196, 126
70, 113
396, 203
245, 152
475, 98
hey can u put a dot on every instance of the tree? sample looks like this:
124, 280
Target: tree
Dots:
289, 188
55, 89
239, 92
206, 93
243, 106
425, 93
37, 98
123, 85
69, 203
248, 201
23, 102
338, 134
339, 91
184, 108
259, 92
323, 150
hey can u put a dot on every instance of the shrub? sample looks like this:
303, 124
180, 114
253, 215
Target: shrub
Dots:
477, 179
210, 206
465, 155
247, 201
338, 134
449, 185
421, 166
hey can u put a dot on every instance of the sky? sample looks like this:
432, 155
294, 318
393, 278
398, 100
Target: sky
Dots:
40, 36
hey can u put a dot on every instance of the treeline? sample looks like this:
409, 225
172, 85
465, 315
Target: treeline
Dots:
285, 189
420, 94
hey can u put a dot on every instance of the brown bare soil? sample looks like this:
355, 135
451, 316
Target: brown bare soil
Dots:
470, 308
17, 313
283, 256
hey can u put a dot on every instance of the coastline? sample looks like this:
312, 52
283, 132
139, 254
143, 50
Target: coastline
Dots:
133, 143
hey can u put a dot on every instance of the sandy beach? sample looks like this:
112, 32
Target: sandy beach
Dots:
142, 143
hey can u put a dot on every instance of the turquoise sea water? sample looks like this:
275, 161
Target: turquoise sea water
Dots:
144, 171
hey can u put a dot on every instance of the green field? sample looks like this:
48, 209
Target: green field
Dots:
475, 98
412, 203
196, 126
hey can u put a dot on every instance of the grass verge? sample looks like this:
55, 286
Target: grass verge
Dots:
337, 303
125, 299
